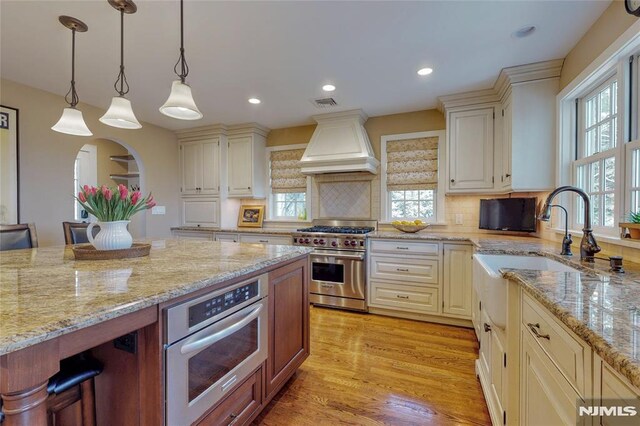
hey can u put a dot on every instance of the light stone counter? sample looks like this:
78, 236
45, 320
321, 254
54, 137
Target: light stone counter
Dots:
45, 293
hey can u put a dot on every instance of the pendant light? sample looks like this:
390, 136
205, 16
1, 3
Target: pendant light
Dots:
180, 103
71, 121
120, 113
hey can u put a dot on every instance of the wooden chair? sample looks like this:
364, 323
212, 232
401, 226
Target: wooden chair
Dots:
15, 237
76, 232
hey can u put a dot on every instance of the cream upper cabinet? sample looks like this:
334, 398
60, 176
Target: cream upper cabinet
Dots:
470, 149
457, 296
528, 137
200, 163
246, 165
502, 139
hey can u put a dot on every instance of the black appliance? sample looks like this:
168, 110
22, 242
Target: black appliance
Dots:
508, 214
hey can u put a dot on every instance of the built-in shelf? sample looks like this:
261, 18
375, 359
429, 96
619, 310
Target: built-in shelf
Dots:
122, 158
125, 176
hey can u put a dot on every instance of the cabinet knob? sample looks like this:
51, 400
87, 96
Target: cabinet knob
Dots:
487, 327
507, 175
453, 180
248, 187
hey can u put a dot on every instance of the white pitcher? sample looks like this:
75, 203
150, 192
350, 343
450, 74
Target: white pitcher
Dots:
112, 235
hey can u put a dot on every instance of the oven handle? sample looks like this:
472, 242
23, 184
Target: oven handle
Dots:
219, 335
337, 255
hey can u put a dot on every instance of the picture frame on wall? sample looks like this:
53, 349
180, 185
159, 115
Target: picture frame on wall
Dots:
9, 166
250, 216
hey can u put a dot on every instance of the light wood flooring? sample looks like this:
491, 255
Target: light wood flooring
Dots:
375, 370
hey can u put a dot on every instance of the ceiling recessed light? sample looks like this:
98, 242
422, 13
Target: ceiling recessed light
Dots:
328, 87
254, 101
425, 71
524, 31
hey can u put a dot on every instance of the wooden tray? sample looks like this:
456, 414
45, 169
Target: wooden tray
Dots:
410, 229
89, 252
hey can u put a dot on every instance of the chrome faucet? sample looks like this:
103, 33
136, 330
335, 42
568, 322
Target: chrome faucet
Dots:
588, 246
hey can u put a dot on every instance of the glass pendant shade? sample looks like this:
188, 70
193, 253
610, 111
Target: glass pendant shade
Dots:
120, 114
72, 123
180, 104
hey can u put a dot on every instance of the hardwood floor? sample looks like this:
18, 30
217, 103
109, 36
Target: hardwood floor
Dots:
374, 370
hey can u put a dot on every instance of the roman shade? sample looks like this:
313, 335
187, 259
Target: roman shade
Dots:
412, 164
285, 172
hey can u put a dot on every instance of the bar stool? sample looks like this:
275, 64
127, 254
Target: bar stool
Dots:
76, 232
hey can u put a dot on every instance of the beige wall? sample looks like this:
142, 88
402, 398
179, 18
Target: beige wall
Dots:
106, 167
611, 24
47, 157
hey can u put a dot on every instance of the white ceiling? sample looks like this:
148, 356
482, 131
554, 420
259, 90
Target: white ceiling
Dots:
283, 52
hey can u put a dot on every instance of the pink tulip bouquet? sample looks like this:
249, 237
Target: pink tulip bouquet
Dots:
113, 204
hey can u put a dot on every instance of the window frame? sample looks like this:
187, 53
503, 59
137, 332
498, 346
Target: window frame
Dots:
613, 61
582, 159
385, 198
270, 196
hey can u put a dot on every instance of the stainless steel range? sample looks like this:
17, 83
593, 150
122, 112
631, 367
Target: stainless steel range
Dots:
338, 271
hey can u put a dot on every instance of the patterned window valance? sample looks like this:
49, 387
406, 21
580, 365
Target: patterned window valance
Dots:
412, 164
285, 171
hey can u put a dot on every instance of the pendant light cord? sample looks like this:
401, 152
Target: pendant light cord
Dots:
122, 78
73, 99
182, 62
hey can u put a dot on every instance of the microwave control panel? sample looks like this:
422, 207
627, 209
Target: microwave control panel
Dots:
216, 305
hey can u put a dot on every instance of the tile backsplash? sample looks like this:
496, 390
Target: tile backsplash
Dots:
344, 200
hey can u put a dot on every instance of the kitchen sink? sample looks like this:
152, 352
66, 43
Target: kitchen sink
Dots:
492, 288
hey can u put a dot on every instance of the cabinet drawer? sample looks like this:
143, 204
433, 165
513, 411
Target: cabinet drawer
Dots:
405, 247
403, 297
264, 239
399, 270
189, 235
232, 238
239, 406
570, 356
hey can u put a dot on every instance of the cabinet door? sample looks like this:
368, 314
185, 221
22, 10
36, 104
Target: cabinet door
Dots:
288, 323
240, 166
546, 398
498, 372
507, 117
198, 211
471, 150
457, 279
191, 155
210, 184
484, 354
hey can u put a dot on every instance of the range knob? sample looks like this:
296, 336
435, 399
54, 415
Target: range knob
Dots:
306, 241
333, 243
315, 241
353, 243
321, 242
346, 243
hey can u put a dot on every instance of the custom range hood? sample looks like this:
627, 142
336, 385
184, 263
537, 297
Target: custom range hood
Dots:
339, 144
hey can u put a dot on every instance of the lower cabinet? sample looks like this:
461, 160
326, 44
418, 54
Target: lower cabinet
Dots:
546, 397
240, 405
403, 297
193, 235
458, 280
491, 368
288, 323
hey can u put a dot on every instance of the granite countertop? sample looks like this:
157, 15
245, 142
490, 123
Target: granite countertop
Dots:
45, 293
601, 307
233, 230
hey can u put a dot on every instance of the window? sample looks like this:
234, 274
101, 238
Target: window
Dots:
416, 204
599, 141
410, 187
288, 186
597, 154
290, 205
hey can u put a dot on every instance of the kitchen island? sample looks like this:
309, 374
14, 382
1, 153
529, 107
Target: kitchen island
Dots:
53, 307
